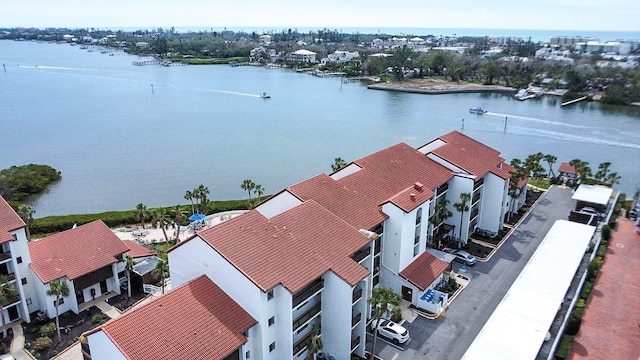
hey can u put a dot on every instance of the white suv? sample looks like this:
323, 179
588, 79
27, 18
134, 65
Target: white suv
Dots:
391, 330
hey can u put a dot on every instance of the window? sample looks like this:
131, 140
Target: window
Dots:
23, 281
272, 320
28, 301
270, 295
60, 302
247, 355
272, 346
19, 259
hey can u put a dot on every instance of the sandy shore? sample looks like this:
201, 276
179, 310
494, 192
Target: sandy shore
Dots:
430, 86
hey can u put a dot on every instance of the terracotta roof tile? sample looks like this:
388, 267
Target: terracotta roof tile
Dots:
9, 221
470, 155
75, 252
352, 206
211, 325
136, 250
305, 242
565, 167
389, 175
424, 270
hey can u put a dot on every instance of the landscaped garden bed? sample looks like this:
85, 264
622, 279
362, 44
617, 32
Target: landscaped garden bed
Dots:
477, 250
123, 303
41, 339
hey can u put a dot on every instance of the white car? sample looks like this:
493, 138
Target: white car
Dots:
464, 257
391, 330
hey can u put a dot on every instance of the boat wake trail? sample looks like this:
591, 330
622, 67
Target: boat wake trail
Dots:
237, 93
542, 121
46, 67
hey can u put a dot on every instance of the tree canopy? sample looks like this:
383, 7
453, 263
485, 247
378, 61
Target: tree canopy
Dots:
19, 182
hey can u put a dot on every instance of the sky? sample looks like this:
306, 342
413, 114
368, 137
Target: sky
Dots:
595, 15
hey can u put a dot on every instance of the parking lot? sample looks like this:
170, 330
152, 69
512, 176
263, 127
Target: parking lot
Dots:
449, 336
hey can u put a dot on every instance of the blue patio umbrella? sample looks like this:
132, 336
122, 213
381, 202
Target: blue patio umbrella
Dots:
196, 217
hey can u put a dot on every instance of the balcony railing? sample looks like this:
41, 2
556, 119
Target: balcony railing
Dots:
9, 277
355, 343
302, 343
309, 290
12, 300
474, 213
477, 184
356, 319
476, 197
6, 255
302, 319
361, 254
356, 295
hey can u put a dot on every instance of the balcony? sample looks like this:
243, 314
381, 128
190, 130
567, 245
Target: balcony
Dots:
12, 300
355, 343
477, 184
476, 197
9, 277
308, 315
356, 319
474, 213
361, 254
301, 344
5, 255
356, 296
307, 292
442, 189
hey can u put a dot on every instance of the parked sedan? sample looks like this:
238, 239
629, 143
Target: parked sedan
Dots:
464, 257
391, 330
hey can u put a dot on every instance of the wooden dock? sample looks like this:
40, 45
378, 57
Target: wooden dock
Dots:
157, 62
573, 101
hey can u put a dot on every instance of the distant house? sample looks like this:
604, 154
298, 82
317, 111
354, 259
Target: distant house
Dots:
142, 44
303, 56
85, 257
213, 327
568, 174
340, 56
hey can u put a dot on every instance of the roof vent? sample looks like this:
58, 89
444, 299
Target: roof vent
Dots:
418, 185
412, 196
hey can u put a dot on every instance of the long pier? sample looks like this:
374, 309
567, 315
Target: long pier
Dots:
573, 101
157, 62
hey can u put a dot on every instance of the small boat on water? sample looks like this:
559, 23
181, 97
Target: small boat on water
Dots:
264, 95
477, 110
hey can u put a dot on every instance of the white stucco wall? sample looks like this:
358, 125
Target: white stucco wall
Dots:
336, 316
278, 204
458, 185
491, 205
20, 248
102, 348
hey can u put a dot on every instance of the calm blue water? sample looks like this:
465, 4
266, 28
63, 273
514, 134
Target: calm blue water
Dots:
118, 143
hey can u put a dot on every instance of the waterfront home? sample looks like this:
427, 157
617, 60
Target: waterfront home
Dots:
14, 265
302, 56
84, 257
195, 321
568, 174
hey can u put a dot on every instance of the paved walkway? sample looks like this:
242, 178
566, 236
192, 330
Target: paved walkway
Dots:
611, 324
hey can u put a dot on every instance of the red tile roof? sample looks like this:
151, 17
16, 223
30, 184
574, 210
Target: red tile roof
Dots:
211, 325
567, 168
350, 205
136, 250
424, 270
470, 155
75, 252
305, 242
9, 221
389, 175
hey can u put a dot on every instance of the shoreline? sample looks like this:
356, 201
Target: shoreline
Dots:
430, 87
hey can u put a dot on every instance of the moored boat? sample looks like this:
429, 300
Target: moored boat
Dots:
264, 95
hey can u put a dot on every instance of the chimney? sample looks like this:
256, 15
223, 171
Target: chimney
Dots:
418, 186
412, 196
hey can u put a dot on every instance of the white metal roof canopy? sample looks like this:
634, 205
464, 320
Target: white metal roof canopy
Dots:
595, 194
518, 326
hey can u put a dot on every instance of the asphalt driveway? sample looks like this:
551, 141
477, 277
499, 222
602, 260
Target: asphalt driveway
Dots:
449, 336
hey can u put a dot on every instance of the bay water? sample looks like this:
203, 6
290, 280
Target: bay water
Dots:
124, 134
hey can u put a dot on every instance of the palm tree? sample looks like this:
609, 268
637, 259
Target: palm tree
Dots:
161, 272
603, 169
26, 214
248, 186
550, 159
314, 345
612, 179
259, 191
161, 217
189, 196
7, 291
128, 268
383, 301
338, 163
141, 213
440, 214
179, 216
58, 288
202, 192
462, 206
582, 168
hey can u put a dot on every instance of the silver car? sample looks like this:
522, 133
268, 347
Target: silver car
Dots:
464, 257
